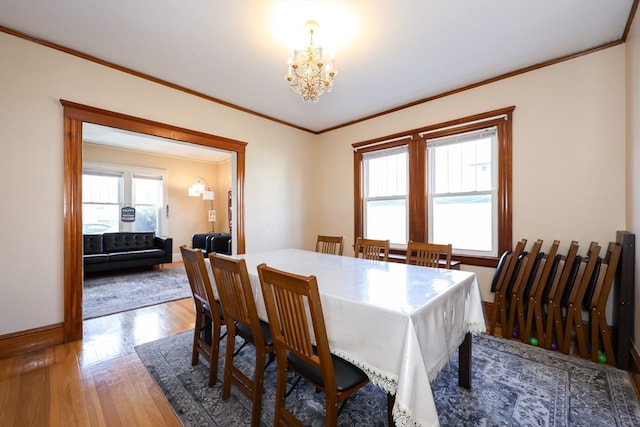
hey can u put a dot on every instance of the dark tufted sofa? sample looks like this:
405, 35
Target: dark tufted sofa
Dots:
113, 251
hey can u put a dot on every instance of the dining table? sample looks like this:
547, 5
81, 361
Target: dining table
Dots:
399, 323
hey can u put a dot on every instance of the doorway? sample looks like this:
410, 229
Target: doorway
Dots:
74, 116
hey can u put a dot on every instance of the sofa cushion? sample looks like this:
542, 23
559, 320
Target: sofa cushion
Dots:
122, 242
134, 255
92, 244
95, 258
220, 243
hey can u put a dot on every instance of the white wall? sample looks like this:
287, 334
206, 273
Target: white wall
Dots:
568, 151
34, 78
633, 153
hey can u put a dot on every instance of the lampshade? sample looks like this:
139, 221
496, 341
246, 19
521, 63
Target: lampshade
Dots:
207, 195
197, 189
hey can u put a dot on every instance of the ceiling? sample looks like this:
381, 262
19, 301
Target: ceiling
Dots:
124, 139
388, 53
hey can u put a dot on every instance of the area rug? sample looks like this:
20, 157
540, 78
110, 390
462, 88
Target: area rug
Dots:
113, 293
513, 384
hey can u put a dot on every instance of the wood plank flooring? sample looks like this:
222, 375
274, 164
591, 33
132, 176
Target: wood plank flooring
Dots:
99, 381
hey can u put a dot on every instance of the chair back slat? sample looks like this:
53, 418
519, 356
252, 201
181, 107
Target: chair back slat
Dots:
372, 249
330, 244
294, 324
429, 254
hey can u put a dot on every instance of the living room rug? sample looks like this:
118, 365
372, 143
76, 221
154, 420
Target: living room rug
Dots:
112, 293
513, 384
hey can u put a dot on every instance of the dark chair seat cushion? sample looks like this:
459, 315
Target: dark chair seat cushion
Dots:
573, 273
245, 332
347, 374
591, 287
496, 276
207, 312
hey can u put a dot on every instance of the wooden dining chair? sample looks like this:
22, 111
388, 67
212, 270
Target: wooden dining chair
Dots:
297, 325
500, 284
429, 254
597, 303
330, 244
574, 325
516, 297
372, 249
241, 317
208, 311
554, 329
535, 308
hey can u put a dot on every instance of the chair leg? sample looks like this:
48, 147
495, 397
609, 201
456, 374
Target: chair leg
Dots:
215, 349
391, 401
228, 364
332, 410
196, 337
281, 391
256, 409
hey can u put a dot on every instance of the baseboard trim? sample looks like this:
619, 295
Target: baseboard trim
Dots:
23, 342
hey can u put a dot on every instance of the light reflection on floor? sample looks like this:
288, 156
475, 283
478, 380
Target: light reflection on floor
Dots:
115, 335
145, 328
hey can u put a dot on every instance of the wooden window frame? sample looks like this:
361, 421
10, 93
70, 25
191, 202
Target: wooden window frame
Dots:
417, 148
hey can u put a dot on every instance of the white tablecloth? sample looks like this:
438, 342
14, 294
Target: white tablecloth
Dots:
399, 323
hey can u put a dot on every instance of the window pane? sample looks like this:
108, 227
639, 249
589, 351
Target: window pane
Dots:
386, 219
100, 203
147, 199
100, 218
463, 221
100, 188
386, 176
462, 167
146, 218
147, 191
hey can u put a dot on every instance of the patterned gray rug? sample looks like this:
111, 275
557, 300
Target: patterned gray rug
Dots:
513, 384
112, 293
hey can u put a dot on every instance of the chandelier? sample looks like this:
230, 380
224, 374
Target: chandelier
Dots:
310, 74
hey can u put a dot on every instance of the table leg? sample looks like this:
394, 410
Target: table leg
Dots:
464, 362
391, 400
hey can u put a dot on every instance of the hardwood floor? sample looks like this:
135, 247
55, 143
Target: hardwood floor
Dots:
99, 381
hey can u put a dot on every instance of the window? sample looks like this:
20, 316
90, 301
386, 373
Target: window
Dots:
385, 194
446, 183
462, 192
106, 189
100, 202
147, 200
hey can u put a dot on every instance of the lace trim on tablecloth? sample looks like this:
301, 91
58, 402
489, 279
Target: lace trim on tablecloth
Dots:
384, 380
403, 417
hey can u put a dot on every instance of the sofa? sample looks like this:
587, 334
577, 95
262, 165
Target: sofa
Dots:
212, 242
114, 251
